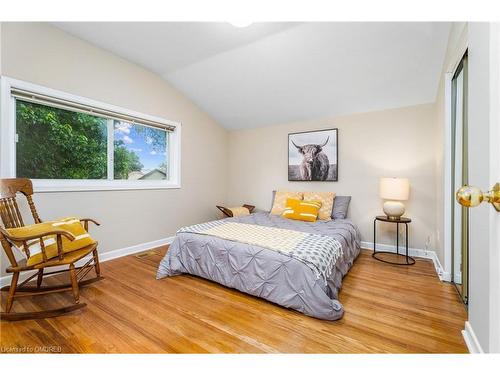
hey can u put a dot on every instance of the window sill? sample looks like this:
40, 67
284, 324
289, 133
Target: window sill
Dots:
40, 186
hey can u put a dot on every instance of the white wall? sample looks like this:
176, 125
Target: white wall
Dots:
45, 55
398, 142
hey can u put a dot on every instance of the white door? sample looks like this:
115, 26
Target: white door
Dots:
494, 178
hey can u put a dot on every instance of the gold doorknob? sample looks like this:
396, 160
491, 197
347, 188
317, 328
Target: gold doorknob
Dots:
470, 196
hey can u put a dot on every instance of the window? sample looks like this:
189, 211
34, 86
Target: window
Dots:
140, 152
63, 142
54, 143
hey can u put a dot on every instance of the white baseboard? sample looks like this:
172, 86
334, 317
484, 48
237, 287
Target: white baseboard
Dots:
419, 253
118, 253
109, 255
471, 340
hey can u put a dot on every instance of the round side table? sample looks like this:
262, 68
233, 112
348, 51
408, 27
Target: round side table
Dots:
407, 260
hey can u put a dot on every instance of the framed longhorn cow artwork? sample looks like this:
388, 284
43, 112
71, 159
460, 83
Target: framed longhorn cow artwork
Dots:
313, 155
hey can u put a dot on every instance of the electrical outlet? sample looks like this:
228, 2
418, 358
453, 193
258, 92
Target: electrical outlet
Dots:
428, 242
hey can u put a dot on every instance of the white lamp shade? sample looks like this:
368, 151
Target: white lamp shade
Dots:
393, 188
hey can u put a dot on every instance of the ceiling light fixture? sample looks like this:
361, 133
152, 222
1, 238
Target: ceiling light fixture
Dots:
241, 23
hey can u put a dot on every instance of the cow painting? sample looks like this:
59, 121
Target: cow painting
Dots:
313, 156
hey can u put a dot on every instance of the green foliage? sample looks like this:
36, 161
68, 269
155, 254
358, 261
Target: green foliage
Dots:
157, 138
59, 144
125, 161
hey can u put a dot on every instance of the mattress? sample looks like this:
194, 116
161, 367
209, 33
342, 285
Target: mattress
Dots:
265, 273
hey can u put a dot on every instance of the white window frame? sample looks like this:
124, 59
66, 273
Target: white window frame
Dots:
8, 143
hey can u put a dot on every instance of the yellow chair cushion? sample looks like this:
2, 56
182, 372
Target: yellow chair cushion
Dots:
280, 198
326, 199
70, 224
297, 209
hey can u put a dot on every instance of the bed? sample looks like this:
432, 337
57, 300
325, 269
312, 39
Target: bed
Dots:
267, 272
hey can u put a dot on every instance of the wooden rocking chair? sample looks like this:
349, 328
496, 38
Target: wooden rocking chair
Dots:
11, 218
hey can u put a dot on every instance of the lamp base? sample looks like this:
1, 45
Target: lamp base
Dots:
394, 210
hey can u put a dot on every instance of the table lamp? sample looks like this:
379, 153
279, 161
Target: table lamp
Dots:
394, 190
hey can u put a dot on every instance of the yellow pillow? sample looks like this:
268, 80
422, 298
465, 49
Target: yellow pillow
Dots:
301, 210
70, 224
280, 200
326, 199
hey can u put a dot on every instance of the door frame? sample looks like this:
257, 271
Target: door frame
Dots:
463, 290
448, 163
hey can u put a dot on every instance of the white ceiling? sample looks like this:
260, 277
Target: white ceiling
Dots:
271, 73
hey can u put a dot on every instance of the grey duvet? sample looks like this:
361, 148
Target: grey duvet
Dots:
265, 273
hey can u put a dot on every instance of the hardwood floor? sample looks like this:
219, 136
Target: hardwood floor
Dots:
387, 309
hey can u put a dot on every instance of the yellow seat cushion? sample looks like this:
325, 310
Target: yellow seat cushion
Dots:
326, 199
303, 210
280, 198
70, 224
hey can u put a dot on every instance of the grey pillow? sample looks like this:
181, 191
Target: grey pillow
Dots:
340, 206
